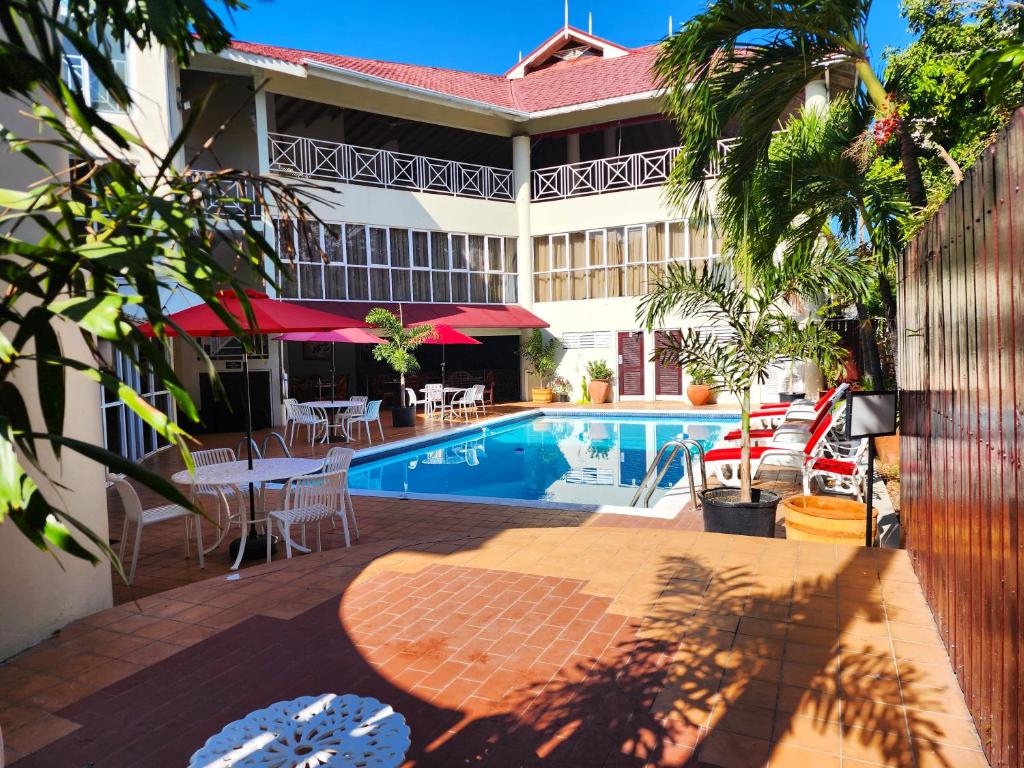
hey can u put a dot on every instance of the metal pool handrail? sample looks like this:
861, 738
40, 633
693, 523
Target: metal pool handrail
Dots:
676, 446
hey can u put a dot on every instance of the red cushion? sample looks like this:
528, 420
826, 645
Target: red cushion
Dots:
733, 454
754, 433
835, 466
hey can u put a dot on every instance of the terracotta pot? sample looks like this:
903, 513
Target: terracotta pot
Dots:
826, 519
599, 389
699, 394
888, 448
542, 395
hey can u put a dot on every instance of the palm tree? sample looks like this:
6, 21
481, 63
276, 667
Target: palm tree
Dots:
739, 66
399, 342
749, 294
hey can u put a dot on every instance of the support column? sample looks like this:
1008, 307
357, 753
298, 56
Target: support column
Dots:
524, 250
611, 143
572, 148
264, 103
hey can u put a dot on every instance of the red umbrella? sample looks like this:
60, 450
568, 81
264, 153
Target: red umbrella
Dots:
337, 336
271, 316
445, 335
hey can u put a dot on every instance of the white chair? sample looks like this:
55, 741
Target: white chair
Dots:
307, 499
357, 408
289, 417
463, 401
133, 512
478, 397
433, 394
372, 414
313, 419
414, 402
339, 460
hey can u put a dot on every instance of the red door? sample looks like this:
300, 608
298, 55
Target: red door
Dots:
631, 363
668, 379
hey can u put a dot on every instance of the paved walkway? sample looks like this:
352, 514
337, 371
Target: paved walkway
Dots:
513, 637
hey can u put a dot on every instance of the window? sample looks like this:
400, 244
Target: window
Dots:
124, 432
356, 262
617, 261
79, 75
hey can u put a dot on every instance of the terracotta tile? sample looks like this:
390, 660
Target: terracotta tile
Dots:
730, 750
790, 756
883, 747
807, 733
942, 756
745, 720
44, 729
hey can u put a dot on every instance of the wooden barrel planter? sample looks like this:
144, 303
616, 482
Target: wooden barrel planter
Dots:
826, 519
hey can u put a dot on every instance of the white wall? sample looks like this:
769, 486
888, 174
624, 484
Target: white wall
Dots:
635, 206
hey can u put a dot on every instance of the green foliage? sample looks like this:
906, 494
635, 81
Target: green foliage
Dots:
540, 355
700, 375
952, 107
109, 228
598, 370
561, 386
399, 343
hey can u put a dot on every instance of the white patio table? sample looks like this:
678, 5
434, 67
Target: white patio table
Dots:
237, 473
446, 403
329, 730
334, 405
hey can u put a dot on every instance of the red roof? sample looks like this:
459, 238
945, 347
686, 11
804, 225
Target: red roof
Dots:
455, 315
563, 84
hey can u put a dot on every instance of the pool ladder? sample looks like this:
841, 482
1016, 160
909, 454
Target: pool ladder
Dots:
676, 446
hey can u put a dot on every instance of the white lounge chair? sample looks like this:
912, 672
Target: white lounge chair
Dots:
372, 414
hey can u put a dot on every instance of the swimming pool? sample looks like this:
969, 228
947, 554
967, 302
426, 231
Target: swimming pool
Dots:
583, 459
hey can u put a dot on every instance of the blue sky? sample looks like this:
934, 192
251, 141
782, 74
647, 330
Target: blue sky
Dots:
479, 36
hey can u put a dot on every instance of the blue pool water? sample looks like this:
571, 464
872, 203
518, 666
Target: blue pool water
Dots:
588, 460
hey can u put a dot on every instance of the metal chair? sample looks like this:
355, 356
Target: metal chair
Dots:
371, 415
339, 460
433, 395
134, 513
289, 418
414, 402
313, 419
307, 499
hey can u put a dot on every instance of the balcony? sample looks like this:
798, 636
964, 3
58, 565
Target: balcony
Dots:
611, 174
318, 159
229, 198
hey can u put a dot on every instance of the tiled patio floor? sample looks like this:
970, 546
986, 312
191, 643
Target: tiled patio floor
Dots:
514, 637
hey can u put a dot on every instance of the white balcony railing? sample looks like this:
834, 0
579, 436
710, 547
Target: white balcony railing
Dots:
319, 159
611, 174
233, 198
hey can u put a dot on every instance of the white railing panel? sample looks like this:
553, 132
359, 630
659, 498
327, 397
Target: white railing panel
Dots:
319, 159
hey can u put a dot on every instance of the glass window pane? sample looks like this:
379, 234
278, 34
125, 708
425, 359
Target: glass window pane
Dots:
285, 239
334, 282
494, 263
542, 287
677, 240
716, 241
541, 263
655, 242
698, 243
355, 243
380, 284
358, 284
634, 280
378, 245
439, 250
478, 287
332, 243
420, 285
558, 252
579, 283
311, 281
616, 279
511, 257
399, 248
458, 251
460, 286
400, 290
595, 248
420, 251
511, 289
635, 245
578, 250
476, 253
309, 242
494, 288
439, 282
559, 286
286, 279
615, 247
598, 283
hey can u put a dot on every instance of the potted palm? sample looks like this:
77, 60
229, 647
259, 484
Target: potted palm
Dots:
600, 385
540, 354
700, 390
749, 294
396, 350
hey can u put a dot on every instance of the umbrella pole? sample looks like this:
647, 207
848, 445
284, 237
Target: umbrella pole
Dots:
248, 436
334, 379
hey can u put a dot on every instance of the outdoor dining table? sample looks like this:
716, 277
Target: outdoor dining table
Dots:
238, 474
335, 405
446, 406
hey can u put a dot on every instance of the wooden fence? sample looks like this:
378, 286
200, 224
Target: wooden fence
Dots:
961, 351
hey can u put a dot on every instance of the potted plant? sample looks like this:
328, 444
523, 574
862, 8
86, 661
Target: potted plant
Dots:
600, 385
700, 390
749, 294
540, 355
561, 388
792, 383
396, 350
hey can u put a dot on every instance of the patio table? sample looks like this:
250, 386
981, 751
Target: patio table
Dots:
446, 406
332, 730
237, 473
336, 405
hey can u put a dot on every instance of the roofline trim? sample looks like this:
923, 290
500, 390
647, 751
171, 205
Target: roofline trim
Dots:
262, 61
583, 106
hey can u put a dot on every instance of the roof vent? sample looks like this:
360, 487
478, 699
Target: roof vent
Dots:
576, 52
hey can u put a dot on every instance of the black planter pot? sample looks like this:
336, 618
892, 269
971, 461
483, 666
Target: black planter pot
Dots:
725, 513
789, 397
403, 417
